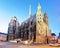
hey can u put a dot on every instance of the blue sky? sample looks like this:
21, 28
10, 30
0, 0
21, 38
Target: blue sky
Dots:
20, 9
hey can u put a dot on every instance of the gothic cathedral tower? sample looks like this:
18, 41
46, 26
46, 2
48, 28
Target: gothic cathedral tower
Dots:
39, 23
42, 27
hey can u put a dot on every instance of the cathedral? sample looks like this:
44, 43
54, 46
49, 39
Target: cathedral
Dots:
35, 28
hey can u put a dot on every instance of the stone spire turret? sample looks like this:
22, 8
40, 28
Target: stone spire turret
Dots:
13, 19
39, 7
39, 11
30, 11
46, 18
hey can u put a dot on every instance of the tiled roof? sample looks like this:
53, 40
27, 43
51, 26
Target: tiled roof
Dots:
32, 18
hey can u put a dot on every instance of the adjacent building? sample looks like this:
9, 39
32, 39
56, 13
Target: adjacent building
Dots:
3, 36
59, 38
53, 38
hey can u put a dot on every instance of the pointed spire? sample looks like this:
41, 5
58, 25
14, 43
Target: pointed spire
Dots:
45, 15
39, 7
39, 11
14, 18
30, 11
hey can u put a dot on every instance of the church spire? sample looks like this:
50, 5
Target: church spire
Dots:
39, 11
39, 15
39, 7
30, 11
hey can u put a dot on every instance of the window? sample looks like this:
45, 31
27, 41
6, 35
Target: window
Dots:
40, 17
31, 23
40, 14
38, 21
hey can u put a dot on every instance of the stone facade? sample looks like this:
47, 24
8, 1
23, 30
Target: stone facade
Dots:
13, 29
35, 28
42, 28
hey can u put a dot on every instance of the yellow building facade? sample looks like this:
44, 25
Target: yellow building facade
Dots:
42, 27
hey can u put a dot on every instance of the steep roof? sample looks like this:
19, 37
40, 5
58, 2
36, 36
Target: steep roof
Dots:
31, 19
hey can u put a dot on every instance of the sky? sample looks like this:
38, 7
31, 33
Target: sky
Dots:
20, 9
